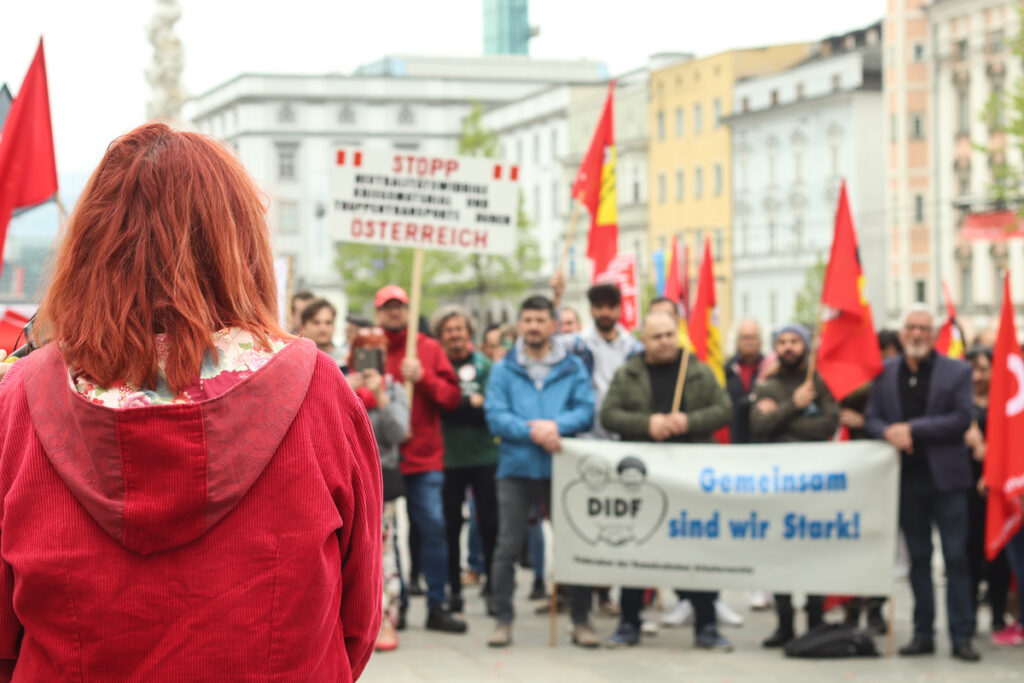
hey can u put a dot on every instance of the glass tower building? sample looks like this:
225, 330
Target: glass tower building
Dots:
506, 27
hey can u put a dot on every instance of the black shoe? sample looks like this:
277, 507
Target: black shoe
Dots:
780, 638
918, 646
539, 592
400, 624
965, 652
440, 619
485, 592
414, 589
455, 604
876, 623
625, 635
710, 639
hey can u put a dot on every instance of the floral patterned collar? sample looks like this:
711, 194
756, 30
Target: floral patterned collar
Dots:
238, 356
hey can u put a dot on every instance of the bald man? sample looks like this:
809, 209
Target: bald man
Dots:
638, 407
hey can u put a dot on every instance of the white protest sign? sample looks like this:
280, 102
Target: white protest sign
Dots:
804, 517
394, 198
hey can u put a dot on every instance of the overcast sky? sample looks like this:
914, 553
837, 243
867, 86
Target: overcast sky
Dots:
96, 52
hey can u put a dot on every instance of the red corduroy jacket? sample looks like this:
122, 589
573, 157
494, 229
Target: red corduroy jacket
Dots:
233, 539
438, 390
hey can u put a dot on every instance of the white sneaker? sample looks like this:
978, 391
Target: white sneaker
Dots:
727, 615
648, 623
681, 615
759, 600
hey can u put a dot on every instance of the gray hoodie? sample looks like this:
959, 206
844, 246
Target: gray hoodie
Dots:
538, 369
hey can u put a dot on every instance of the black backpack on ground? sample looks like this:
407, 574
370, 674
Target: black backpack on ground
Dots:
830, 641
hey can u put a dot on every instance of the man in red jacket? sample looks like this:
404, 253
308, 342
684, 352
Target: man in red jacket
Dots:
435, 388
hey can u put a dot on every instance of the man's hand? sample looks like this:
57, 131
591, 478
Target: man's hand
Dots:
982, 487
373, 381
679, 423
767, 406
476, 401
659, 427
412, 370
850, 418
804, 395
975, 440
355, 380
899, 435
544, 433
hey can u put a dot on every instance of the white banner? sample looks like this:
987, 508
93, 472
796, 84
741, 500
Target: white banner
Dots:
801, 517
399, 199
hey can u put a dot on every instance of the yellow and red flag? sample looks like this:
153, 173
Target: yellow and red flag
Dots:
848, 353
950, 341
705, 335
678, 289
594, 187
1004, 458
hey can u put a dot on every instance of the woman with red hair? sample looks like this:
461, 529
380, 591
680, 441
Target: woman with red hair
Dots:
188, 493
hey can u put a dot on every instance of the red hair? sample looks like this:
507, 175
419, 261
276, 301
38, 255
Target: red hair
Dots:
169, 236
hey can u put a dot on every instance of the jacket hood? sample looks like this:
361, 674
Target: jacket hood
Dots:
160, 476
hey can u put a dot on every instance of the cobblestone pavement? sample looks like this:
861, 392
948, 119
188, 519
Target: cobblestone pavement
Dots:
669, 656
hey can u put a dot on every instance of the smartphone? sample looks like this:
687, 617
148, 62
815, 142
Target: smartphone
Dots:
369, 359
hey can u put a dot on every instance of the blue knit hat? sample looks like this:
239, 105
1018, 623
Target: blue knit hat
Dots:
797, 329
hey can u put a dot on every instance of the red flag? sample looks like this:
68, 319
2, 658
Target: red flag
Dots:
1004, 458
684, 292
673, 290
28, 172
950, 342
848, 354
595, 189
704, 333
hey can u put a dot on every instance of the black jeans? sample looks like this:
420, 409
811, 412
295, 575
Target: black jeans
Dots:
815, 608
631, 601
921, 505
996, 572
481, 480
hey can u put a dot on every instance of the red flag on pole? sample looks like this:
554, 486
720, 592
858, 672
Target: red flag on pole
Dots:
949, 341
673, 290
594, 187
1004, 457
704, 333
28, 172
848, 353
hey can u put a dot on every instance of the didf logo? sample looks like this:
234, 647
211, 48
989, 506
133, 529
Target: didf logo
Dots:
614, 508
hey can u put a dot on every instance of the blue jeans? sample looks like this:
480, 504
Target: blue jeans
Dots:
1015, 554
426, 513
921, 506
476, 546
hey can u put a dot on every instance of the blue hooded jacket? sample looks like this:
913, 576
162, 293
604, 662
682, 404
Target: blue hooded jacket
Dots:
513, 400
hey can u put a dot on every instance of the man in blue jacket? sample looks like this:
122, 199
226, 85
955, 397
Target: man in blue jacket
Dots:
535, 396
923, 405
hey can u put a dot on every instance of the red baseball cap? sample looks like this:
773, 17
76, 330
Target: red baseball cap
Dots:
390, 293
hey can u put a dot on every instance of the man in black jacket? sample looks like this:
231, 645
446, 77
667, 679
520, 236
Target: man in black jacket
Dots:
922, 404
740, 375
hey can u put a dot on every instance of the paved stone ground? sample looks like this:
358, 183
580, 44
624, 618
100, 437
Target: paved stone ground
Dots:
670, 656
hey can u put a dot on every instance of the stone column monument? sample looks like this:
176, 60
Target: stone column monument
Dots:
164, 74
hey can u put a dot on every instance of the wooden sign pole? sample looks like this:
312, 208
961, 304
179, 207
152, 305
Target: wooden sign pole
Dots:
677, 398
413, 328
570, 235
553, 616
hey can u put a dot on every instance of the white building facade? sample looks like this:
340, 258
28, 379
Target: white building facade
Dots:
285, 127
797, 135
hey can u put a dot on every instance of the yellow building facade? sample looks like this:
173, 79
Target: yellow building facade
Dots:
690, 150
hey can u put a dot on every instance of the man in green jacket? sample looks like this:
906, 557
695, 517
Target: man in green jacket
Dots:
790, 407
639, 407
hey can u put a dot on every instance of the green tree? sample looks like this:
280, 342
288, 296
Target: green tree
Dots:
808, 299
446, 275
1003, 114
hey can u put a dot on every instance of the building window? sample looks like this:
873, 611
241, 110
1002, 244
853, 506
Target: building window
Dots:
799, 91
920, 291
679, 186
718, 113
536, 148
918, 52
661, 188
744, 238
798, 232
698, 119
798, 166
773, 309
719, 247
916, 127
966, 291
718, 180
554, 143
894, 129
287, 153
519, 150
963, 111
346, 114
960, 50
837, 82
679, 122
406, 117
918, 208
997, 107
536, 203
775, 98
746, 104
554, 199
288, 217
286, 114
771, 239
661, 125
965, 185
995, 42
636, 186
698, 182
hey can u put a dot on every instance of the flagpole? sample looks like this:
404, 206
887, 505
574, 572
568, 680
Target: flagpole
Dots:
62, 214
570, 235
677, 398
813, 360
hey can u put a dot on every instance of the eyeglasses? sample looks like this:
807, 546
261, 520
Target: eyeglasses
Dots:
909, 327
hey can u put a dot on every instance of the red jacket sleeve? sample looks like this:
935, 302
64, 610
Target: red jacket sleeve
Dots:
360, 501
16, 434
439, 380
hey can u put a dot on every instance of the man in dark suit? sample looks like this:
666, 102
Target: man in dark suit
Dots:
922, 405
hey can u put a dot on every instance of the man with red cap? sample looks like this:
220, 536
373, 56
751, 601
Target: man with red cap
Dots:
435, 388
